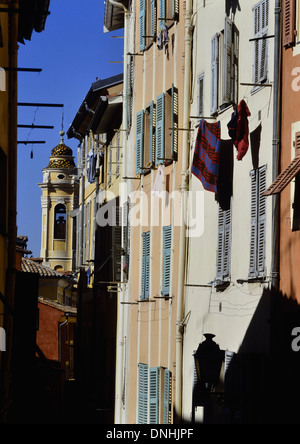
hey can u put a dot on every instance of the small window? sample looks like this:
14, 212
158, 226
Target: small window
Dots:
61, 176
60, 222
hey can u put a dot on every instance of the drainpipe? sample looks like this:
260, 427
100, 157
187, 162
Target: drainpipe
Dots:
275, 171
184, 189
120, 321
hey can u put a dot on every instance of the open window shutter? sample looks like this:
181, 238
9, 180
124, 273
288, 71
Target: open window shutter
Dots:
289, 22
162, 14
175, 6
139, 141
146, 265
142, 24
214, 73
129, 91
220, 243
167, 393
200, 98
227, 244
253, 224
110, 165
116, 246
143, 394
154, 396
160, 128
151, 159
261, 24
88, 211
167, 238
228, 61
153, 18
236, 45
261, 231
264, 42
174, 146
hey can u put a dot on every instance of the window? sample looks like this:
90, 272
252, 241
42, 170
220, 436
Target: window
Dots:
261, 24
257, 223
168, 9
146, 266
129, 91
224, 67
166, 126
290, 23
60, 222
3, 187
145, 139
167, 240
224, 245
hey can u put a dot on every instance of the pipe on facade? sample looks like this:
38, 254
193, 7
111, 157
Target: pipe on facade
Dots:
184, 189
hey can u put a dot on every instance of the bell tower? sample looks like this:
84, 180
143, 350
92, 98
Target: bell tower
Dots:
59, 198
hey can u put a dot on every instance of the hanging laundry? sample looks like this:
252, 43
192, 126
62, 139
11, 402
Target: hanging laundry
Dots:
238, 129
163, 38
159, 180
207, 154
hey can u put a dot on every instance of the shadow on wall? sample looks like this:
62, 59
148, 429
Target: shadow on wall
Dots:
262, 384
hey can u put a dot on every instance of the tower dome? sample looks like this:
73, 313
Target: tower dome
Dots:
61, 156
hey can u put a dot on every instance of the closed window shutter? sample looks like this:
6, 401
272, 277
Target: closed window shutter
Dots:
139, 141
167, 395
88, 211
110, 164
253, 223
146, 265
228, 60
174, 123
175, 6
160, 128
116, 246
261, 235
154, 395
261, 24
214, 73
167, 238
143, 394
289, 22
142, 25
224, 245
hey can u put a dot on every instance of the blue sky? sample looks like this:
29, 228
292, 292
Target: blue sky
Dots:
72, 51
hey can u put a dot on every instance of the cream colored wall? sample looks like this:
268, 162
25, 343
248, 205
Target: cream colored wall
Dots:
150, 334
226, 314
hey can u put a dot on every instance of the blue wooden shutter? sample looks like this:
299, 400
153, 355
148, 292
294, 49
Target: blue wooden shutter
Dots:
167, 393
261, 229
146, 266
167, 237
153, 18
253, 224
227, 63
224, 245
174, 123
162, 14
214, 73
154, 395
143, 394
142, 25
139, 141
129, 91
152, 134
175, 9
160, 128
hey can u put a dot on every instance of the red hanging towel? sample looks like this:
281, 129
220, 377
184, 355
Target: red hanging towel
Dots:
242, 130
